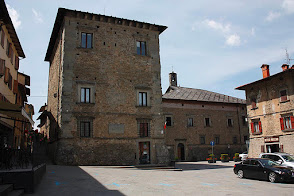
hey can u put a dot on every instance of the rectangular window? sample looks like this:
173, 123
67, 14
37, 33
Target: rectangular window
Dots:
16, 66
142, 98
8, 48
216, 139
190, 122
253, 103
144, 129
141, 48
2, 67
86, 41
283, 95
230, 122
85, 128
207, 122
287, 122
10, 82
256, 126
85, 95
202, 139
168, 121
235, 140
244, 121
2, 37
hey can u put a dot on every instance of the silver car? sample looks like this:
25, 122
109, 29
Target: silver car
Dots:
283, 159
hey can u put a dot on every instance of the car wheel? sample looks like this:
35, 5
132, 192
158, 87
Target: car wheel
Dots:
240, 174
272, 177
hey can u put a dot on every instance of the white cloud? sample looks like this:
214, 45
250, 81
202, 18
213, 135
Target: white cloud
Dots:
288, 6
233, 40
14, 17
272, 16
38, 17
217, 26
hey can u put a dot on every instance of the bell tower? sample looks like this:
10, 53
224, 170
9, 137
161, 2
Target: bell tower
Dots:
173, 79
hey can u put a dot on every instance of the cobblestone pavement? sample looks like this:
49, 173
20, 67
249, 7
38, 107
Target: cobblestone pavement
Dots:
197, 178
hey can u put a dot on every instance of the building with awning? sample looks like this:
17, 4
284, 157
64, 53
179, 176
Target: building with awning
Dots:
15, 113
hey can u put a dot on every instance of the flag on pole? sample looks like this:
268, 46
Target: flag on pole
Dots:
164, 127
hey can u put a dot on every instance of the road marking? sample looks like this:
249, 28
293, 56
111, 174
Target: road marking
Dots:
162, 184
246, 184
207, 184
115, 184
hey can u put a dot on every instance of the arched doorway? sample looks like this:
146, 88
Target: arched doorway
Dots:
181, 151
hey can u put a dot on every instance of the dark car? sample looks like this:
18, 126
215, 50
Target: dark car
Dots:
263, 169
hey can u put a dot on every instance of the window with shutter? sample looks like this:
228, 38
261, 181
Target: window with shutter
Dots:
6, 77
252, 127
10, 82
2, 67
282, 124
15, 86
292, 121
260, 128
16, 65
2, 38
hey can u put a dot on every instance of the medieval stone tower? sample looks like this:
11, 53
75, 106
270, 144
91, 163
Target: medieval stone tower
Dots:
104, 90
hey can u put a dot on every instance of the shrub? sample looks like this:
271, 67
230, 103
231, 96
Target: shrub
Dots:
225, 158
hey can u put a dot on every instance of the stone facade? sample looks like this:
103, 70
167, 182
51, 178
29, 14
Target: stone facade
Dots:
115, 75
270, 103
188, 124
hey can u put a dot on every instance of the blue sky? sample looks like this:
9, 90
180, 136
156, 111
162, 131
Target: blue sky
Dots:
211, 44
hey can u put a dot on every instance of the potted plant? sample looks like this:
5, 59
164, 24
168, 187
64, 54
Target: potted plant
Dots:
236, 157
211, 158
225, 158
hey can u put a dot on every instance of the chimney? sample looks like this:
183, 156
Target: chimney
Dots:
173, 79
265, 70
285, 67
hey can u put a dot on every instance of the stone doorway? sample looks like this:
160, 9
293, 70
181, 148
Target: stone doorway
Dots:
144, 150
181, 151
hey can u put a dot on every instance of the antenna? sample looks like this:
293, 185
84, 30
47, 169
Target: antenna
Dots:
288, 58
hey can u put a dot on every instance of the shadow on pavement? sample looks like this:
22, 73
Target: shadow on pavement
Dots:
200, 166
70, 180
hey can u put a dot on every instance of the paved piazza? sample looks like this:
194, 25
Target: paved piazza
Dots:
196, 178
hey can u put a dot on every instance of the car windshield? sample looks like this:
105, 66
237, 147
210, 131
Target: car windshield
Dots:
269, 163
288, 158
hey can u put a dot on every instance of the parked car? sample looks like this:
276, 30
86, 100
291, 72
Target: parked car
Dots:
283, 159
243, 156
263, 169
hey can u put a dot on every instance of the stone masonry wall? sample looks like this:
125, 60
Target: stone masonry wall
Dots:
179, 132
115, 74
